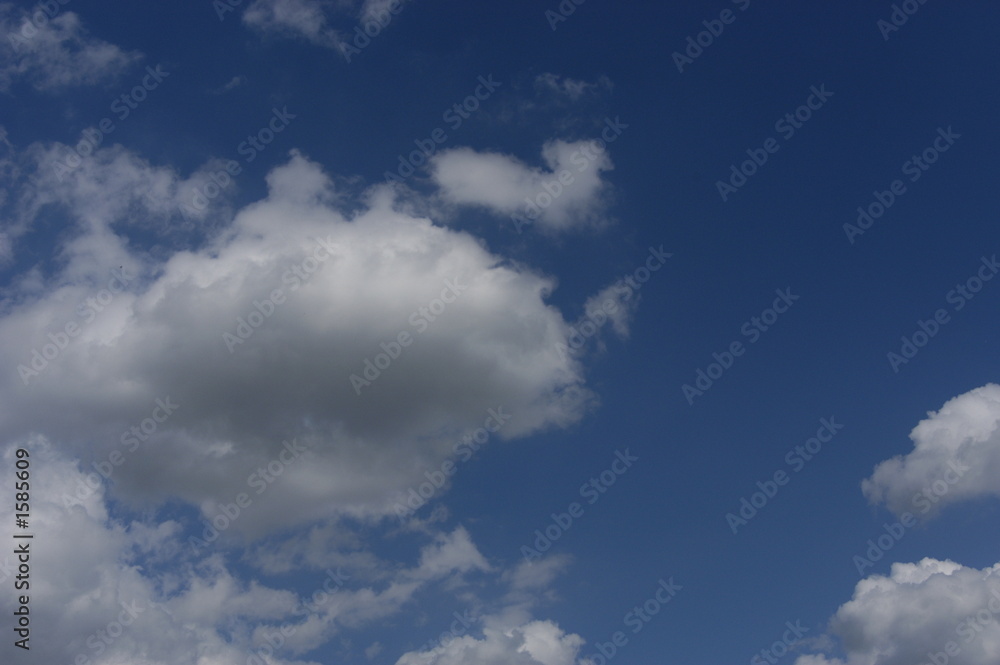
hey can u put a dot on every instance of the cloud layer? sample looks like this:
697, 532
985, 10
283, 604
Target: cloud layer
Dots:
130, 590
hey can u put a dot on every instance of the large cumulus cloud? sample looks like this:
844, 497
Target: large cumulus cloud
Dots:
920, 612
351, 284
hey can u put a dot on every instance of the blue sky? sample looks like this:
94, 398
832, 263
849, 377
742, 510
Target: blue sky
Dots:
577, 333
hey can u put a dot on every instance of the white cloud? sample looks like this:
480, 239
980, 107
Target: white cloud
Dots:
611, 301
101, 186
531, 575
533, 643
568, 194
232, 84
453, 552
310, 19
86, 565
956, 457
496, 345
921, 609
572, 89
55, 54
298, 18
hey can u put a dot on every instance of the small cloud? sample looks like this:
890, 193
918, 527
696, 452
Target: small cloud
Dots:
569, 194
955, 457
572, 89
233, 83
293, 18
372, 651
57, 54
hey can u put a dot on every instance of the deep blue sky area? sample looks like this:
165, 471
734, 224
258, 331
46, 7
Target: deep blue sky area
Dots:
680, 176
